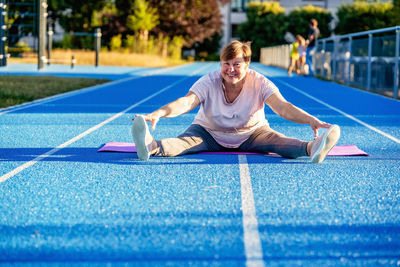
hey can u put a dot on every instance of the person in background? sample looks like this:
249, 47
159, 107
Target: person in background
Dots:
313, 34
302, 49
231, 116
297, 56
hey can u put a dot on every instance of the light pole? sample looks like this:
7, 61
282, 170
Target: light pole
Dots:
42, 8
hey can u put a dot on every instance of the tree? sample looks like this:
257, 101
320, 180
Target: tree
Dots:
266, 26
77, 15
363, 16
54, 10
194, 20
208, 49
109, 21
299, 20
142, 19
395, 13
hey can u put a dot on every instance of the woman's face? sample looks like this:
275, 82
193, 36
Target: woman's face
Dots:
234, 70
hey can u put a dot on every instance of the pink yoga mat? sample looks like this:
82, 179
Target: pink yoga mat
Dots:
348, 150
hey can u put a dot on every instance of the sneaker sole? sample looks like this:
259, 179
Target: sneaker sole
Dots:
139, 129
327, 143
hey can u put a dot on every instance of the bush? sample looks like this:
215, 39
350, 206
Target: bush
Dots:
129, 42
86, 42
208, 48
19, 49
266, 26
395, 13
175, 47
299, 20
66, 43
363, 16
213, 57
116, 42
160, 45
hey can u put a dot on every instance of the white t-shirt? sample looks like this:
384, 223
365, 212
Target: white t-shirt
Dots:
231, 124
302, 51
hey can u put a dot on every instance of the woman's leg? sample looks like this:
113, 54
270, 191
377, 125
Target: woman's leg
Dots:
265, 140
195, 139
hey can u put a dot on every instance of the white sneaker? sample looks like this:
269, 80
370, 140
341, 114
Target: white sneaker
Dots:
323, 144
142, 137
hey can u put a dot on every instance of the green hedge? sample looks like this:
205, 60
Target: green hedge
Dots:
364, 16
265, 26
299, 20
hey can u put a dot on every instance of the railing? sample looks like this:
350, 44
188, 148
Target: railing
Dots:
41, 23
278, 56
368, 60
97, 45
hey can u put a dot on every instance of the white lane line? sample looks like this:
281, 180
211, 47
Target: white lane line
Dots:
252, 241
81, 91
28, 164
339, 111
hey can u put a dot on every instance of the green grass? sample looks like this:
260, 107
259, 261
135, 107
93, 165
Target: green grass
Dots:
16, 90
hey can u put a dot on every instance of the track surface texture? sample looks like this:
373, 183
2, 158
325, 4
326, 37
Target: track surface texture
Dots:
62, 202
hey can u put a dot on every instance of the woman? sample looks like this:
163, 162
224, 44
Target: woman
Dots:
231, 116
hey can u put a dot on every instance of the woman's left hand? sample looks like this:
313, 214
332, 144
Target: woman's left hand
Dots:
316, 124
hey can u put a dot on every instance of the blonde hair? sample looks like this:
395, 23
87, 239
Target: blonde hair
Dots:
234, 49
301, 40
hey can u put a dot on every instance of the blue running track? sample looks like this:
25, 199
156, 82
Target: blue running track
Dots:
62, 202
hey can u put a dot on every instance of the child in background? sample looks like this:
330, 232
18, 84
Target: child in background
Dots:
302, 48
298, 56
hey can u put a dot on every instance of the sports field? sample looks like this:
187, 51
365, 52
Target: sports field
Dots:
63, 202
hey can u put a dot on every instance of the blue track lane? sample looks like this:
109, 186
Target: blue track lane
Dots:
74, 205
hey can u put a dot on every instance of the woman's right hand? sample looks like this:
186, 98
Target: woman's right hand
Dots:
173, 109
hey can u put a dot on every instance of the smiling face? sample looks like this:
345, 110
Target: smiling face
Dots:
234, 71
235, 61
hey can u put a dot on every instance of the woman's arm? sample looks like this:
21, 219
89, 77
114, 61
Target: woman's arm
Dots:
180, 106
292, 113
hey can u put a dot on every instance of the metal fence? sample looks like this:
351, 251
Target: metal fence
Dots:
36, 12
368, 60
